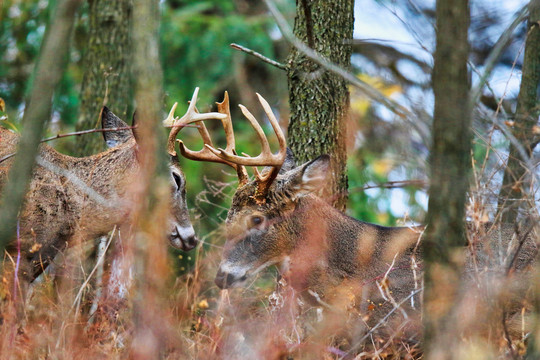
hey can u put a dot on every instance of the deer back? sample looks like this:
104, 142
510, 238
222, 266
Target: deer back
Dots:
81, 198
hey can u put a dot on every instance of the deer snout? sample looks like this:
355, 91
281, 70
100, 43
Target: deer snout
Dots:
184, 238
228, 276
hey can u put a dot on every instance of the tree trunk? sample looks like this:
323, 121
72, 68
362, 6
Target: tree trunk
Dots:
106, 79
527, 112
150, 209
450, 163
319, 100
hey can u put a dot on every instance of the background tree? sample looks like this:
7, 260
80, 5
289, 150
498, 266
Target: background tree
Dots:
318, 99
107, 60
450, 167
525, 129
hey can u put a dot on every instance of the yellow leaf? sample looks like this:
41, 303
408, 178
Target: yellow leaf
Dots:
2, 105
203, 304
382, 218
381, 167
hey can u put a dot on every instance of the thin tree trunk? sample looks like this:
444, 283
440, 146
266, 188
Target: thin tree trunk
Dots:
106, 79
450, 163
151, 209
319, 100
527, 111
49, 69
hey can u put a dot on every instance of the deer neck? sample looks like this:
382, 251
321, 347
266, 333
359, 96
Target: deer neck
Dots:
100, 183
319, 232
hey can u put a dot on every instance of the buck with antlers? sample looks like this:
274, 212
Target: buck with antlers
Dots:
73, 199
325, 255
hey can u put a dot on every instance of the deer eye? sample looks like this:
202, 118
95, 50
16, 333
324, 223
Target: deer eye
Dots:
257, 220
177, 180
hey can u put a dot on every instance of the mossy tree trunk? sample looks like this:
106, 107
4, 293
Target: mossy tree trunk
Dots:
450, 163
106, 79
526, 117
319, 100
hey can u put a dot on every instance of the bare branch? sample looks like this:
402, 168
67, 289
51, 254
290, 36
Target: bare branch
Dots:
369, 90
392, 185
259, 56
495, 53
76, 133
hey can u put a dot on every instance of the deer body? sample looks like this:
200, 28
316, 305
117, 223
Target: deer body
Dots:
325, 255
362, 270
334, 260
71, 199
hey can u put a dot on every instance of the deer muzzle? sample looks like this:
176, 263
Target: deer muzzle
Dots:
230, 276
183, 238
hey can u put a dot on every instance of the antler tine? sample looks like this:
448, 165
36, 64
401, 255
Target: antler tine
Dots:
258, 129
169, 121
191, 116
204, 154
275, 125
223, 107
207, 153
266, 157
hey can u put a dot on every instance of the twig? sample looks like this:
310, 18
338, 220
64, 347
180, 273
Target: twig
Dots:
16, 277
391, 185
76, 133
260, 56
495, 53
369, 90
76, 302
102, 247
48, 72
382, 321
84, 132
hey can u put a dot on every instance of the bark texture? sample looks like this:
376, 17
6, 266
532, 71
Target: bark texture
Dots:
512, 191
319, 100
151, 191
106, 79
450, 163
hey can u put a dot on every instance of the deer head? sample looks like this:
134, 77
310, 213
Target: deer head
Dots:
259, 221
181, 232
264, 231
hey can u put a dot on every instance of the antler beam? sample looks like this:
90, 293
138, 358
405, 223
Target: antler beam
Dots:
205, 154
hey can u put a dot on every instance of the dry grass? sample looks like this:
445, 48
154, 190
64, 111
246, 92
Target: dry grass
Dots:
165, 316
194, 320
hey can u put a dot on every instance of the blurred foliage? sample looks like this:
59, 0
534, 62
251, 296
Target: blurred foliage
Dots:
195, 42
22, 26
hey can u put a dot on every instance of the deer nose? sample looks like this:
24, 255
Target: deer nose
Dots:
190, 242
184, 238
225, 280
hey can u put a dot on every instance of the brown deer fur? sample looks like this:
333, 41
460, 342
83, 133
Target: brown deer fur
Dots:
335, 261
71, 199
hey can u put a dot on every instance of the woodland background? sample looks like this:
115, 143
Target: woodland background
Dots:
387, 151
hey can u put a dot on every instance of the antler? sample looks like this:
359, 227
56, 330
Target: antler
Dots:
266, 157
205, 154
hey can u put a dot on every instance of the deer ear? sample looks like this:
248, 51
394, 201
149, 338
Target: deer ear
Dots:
111, 121
309, 177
